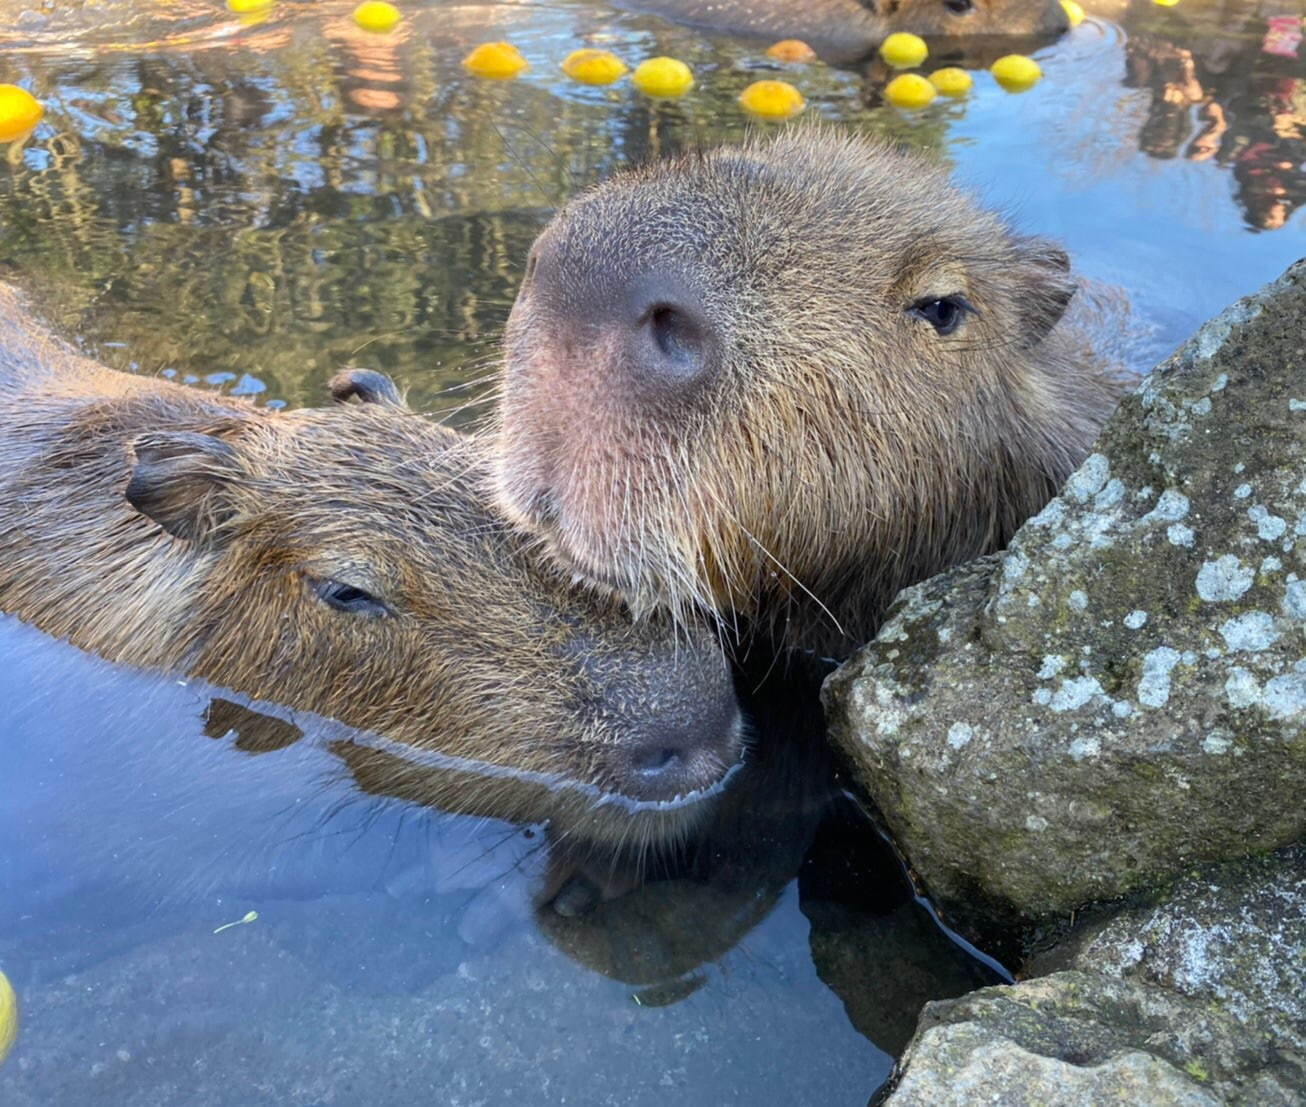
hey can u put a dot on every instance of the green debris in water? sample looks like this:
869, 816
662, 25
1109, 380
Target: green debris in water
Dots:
248, 918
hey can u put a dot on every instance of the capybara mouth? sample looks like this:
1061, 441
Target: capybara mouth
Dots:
580, 549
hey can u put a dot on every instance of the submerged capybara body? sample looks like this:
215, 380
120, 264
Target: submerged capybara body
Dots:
845, 31
782, 381
339, 561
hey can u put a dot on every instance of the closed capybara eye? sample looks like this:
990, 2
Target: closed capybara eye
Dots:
774, 384
346, 598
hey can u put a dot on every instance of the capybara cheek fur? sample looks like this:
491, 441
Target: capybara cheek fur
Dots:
341, 560
782, 381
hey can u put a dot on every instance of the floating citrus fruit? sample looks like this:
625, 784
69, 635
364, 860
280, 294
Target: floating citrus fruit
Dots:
8, 1014
593, 67
791, 50
1073, 11
951, 81
377, 15
909, 90
772, 99
665, 78
1016, 73
20, 111
244, 7
904, 51
1166, 3
499, 61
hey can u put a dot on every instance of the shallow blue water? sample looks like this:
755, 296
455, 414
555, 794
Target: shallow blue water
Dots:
398, 954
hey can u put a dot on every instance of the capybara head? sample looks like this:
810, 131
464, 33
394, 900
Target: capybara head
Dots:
972, 18
782, 381
847, 31
345, 561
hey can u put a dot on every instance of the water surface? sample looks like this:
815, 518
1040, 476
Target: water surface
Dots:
253, 205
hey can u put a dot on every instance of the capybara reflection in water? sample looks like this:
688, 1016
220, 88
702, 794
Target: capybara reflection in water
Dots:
782, 381
342, 561
844, 31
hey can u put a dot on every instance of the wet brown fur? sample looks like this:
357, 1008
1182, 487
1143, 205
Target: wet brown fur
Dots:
485, 654
841, 449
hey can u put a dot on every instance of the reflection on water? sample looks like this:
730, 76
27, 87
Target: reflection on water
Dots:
1227, 84
400, 953
257, 205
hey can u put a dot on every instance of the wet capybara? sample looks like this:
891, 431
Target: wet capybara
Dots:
784, 380
845, 31
342, 561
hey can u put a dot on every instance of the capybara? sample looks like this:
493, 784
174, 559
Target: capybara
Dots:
782, 381
342, 561
845, 31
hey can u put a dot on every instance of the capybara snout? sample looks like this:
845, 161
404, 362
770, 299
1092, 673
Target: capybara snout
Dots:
781, 381
345, 561
977, 18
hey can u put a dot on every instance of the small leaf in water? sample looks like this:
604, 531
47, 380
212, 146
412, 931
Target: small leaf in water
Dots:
249, 917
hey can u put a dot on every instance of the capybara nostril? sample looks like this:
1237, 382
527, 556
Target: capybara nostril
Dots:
690, 741
670, 761
656, 759
671, 711
670, 345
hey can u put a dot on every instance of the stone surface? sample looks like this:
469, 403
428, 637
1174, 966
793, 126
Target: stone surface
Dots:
1074, 1038
1122, 693
1197, 997
1232, 935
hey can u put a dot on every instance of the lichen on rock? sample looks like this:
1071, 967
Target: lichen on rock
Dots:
1130, 675
1196, 997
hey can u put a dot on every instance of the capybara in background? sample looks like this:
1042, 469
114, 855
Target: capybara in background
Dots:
782, 381
342, 561
845, 31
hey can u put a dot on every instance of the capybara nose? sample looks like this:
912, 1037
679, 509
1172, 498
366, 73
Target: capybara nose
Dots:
670, 763
671, 717
677, 753
668, 340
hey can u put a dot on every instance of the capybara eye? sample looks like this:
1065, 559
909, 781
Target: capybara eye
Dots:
345, 597
958, 7
944, 314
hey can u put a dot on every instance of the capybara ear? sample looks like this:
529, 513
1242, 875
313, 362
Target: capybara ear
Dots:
366, 385
179, 479
1046, 287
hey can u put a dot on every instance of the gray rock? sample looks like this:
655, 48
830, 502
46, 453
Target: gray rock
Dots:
1123, 692
1232, 935
1078, 1037
1198, 997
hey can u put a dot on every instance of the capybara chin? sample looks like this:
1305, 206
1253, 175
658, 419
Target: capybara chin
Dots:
343, 561
782, 381
845, 31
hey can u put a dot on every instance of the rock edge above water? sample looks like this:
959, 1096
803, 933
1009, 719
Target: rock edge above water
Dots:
1122, 693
